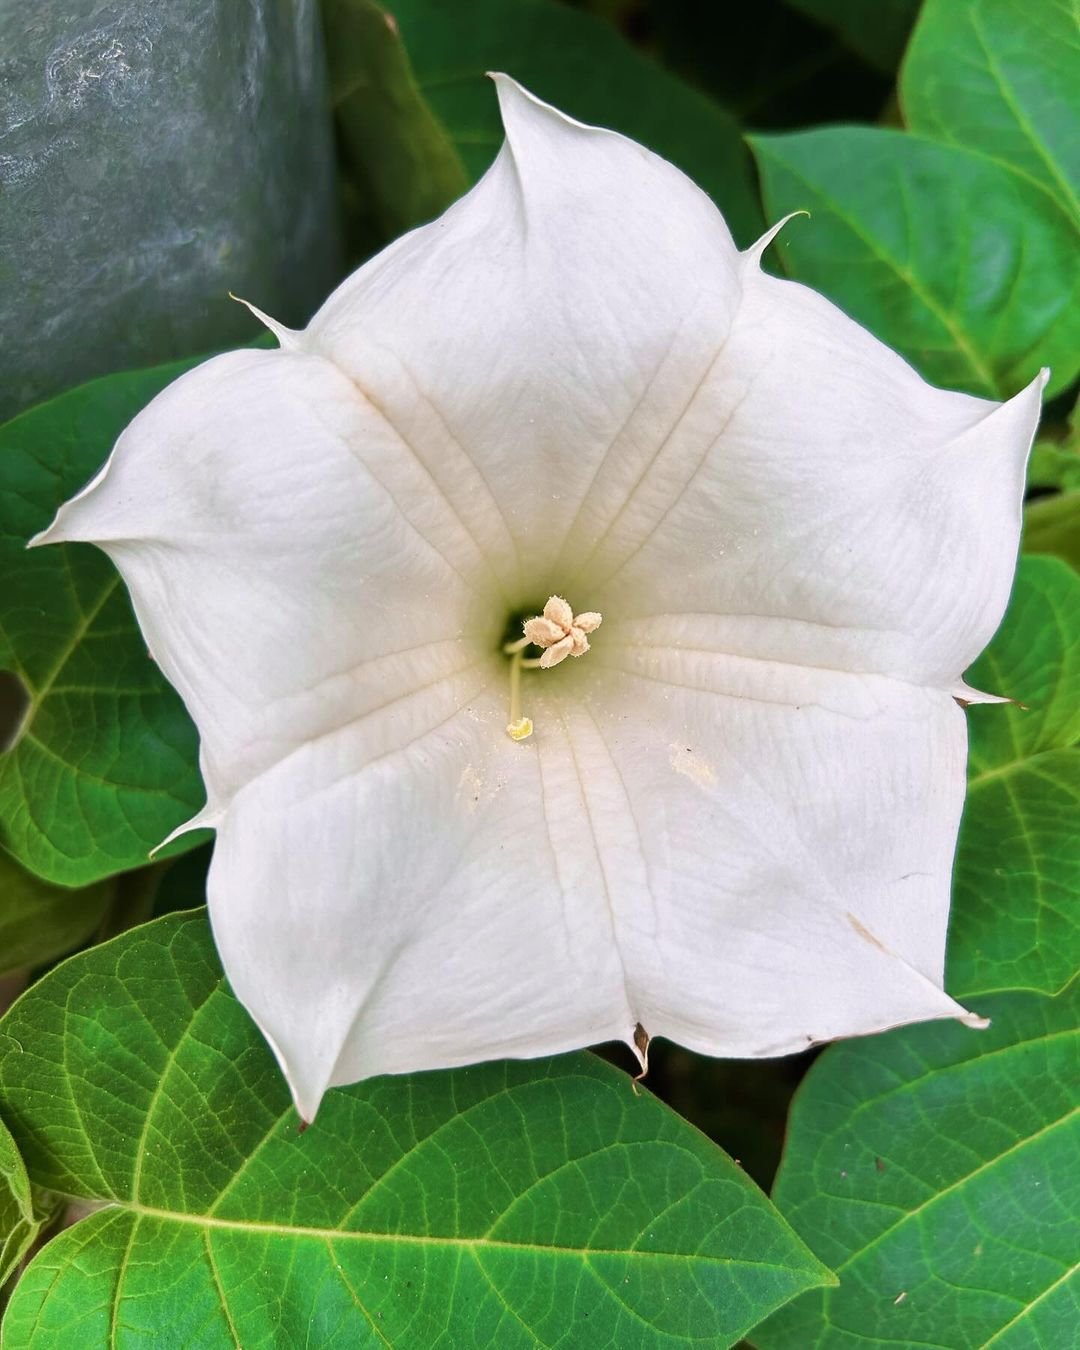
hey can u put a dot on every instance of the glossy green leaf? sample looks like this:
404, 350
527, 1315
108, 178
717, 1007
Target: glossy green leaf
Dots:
18, 1223
876, 31
582, 65
958, 262
400, 163
1016, 906
1002, 77
513, 1204
935, 1169
39, 921
104, 763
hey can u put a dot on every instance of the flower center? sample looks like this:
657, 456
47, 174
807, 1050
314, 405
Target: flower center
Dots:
561, 633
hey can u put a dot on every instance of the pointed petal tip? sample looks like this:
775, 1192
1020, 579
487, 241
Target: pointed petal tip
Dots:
61, 530
289, 339
1029, 396
1034, 387
756, 249
517, 104
509, 91
306, 1097
51, 534
965, 694
206, 819
305, 1100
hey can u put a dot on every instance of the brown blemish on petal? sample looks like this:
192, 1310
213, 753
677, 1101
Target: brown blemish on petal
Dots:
866, 934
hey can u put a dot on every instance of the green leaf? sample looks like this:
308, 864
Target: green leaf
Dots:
513, 1204
877, 32
935, 1169
1052, 520
1016, 908
1002, 77
18, 1223
401, 164
778, 71
957, 262
1052, 525
104, 762
1055, 465
38, 921
580, 64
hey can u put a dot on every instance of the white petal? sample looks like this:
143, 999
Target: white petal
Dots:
744, 872
819, 502
541, 328
424, 909
782, 842
288, 572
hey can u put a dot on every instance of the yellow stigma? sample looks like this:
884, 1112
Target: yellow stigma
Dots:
561, 633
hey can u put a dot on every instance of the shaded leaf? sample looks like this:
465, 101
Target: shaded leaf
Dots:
514, 1204
1016, 909
777, 72
18, 1223
1052, 525
1002, 77
402, 168
1056, 465
877, 32
975, 299
38, 921
581, 64
934, 1168
104, 762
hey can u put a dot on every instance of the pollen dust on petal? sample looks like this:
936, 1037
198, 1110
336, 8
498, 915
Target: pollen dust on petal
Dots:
470, 789
698, 770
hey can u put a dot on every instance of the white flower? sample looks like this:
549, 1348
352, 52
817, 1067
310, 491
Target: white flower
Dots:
734, 821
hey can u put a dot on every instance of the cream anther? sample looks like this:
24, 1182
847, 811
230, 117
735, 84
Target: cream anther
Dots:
561, 632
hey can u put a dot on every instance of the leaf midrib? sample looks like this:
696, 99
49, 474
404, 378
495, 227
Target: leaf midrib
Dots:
1026, 1311
41, 692
1067, 199
208, 1222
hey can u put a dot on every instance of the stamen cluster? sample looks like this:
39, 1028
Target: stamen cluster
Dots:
561, 631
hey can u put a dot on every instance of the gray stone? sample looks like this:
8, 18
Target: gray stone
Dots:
154, 155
